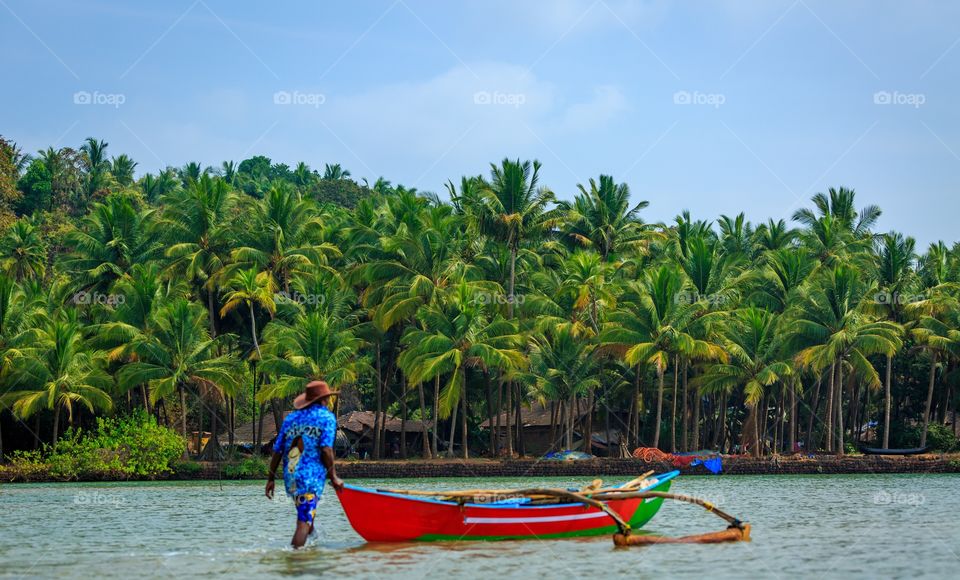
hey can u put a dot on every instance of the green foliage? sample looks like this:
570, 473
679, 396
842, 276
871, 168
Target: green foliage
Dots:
342, 192
939, 437
120, 448
249, 468
37, 187
186, 469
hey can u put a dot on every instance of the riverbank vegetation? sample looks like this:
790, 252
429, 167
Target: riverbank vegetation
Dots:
207, 296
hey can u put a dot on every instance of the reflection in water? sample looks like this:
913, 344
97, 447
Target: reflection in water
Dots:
831, 526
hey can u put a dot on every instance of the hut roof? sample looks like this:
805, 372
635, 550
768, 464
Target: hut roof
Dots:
354, 421
536, 415
362, 421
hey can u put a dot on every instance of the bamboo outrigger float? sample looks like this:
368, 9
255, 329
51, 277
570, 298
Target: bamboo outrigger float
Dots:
389, 515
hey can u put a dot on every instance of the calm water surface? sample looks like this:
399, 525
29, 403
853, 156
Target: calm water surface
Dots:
824, 526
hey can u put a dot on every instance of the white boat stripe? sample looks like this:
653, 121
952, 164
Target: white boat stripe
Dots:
535, 520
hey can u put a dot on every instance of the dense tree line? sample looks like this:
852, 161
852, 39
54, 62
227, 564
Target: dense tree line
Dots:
209, 295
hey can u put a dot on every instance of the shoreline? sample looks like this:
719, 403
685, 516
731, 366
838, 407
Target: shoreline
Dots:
485, 468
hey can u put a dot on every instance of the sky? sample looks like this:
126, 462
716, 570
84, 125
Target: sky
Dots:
718, 107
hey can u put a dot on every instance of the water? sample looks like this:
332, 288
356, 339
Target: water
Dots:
825, 526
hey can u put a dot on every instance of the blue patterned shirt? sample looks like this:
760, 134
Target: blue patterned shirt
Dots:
303, 471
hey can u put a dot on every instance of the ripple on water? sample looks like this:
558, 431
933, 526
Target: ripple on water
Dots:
829, 526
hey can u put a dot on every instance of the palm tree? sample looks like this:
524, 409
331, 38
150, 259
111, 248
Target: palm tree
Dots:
653, 327
563, 366
315, 345
195, 224
833, 331
601, 218
303, 176
156, 187
176, 352
512, 209
94, 155
122, 168
110, 240
57, 372
251, 288
754, 346
940, 339
18, 313
284, 236
335, 172
895, 276
459, 335
23, 254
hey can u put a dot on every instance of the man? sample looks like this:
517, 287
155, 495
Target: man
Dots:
305, 443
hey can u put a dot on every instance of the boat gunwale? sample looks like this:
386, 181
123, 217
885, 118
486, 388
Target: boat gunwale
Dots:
661, 479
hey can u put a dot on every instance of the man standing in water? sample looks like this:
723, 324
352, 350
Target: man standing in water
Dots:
305, 443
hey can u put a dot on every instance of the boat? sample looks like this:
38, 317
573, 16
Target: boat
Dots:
910, 451
380, 515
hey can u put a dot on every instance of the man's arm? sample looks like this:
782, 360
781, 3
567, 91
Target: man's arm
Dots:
271, 474
327, 457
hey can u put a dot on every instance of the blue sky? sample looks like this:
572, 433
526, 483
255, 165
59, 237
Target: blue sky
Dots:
718, 107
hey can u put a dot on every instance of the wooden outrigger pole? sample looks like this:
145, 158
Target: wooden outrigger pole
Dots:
595, 496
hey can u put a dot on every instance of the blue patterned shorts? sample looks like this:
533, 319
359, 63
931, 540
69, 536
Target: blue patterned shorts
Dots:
306, 507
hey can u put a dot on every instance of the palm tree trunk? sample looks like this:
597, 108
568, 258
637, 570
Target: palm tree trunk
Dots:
253, 331
211, 314
793, 415
697, 403
183, 414
673, 414
748, 438
634, 418
513, 278
57, 410
509, 410
829, 415
403, 425
814, 407
492, 433
463, 417
521, 448
376, 418
570, 412
263, 413
723, 421
588, 428
146, 399
436, 415
685, 433
424, 433
840, 449
656, 425
453, 430
553, 425
926, 411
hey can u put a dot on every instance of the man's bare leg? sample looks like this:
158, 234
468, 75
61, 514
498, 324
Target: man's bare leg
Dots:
300, 536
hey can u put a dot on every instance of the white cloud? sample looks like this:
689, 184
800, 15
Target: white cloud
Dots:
606, 104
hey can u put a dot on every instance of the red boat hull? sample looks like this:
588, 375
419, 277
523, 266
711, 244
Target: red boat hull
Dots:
388, 517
